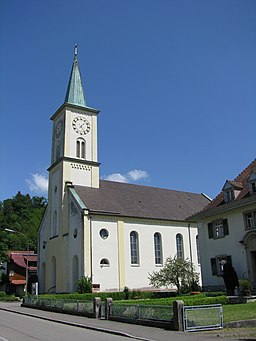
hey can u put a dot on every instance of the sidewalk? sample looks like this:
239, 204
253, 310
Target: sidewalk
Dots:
117, 328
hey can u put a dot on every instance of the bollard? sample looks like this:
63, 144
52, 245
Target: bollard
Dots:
96, 307
108, 307
178, 315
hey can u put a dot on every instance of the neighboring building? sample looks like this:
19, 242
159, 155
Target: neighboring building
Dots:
227, 230
19, 263
115, 233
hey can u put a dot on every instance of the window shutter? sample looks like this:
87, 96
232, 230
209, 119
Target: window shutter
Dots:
225, 227
210, 230
214, 266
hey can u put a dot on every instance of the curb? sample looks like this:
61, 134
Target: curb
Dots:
239, 324
79, 325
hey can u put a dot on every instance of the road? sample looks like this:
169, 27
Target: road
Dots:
15, 327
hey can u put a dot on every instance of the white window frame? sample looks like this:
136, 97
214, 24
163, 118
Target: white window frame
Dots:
80, 148
218, 229
158, 248
179, 246
134, 248
250, 220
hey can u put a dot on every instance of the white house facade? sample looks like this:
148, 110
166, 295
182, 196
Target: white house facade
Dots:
115, 233
227, 230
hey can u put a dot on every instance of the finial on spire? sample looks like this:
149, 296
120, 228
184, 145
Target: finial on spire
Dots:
76, 49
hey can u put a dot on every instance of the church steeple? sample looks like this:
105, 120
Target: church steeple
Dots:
75, 92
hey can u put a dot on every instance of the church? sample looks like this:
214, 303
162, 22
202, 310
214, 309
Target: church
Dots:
115, 233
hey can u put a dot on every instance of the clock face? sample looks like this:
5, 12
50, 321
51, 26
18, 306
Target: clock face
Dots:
81, 125
59, 128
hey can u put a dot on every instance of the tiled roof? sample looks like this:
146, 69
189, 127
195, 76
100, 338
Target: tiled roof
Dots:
240, 181
18, 281
130, 200
19, 258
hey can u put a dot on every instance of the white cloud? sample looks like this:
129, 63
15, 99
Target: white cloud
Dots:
131, 176
117, 177
137, 174
38, 183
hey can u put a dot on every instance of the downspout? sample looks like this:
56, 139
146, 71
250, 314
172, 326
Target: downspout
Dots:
91, 245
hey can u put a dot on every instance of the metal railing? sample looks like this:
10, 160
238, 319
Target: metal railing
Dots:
142, 312
73, 306
203, 317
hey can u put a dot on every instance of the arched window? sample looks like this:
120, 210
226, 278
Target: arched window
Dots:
42, 283
53, 275
54, 224
158, 248
104, 262
134, 245
80, 148
179, 246
75, 272
197, 250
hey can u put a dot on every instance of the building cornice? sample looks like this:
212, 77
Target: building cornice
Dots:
76, 107
71, 159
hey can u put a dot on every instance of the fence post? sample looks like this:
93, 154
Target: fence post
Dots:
108, 307
178, 315
96, 307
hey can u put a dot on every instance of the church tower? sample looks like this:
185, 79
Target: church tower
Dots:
74, 136
74, 158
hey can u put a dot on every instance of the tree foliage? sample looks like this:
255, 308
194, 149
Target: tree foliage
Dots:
176, 272
22, 214
84, 285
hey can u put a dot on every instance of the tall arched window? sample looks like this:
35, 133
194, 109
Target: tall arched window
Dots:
158, 248
54, 224
134, 245
197, 249
53, 275
42, 283
80, 148
179, 246
75, 272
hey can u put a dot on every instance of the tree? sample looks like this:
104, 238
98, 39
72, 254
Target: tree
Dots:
176, 271
22, 214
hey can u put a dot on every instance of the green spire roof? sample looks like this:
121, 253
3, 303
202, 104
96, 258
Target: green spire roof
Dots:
75, 92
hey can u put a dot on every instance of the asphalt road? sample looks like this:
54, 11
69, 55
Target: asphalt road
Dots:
15, 327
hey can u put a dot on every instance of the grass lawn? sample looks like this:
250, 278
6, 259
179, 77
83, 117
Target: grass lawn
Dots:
237, 312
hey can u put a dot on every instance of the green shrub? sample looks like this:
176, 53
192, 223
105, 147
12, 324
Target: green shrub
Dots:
84, 285
2, 294
245, 286
9, 298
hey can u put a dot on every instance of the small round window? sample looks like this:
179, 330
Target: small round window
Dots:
104, 233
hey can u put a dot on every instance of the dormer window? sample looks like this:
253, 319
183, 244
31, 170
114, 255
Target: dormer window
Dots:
252, 182
231, 190
229, 195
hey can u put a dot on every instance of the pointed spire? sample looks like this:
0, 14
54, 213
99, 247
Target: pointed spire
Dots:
75, 92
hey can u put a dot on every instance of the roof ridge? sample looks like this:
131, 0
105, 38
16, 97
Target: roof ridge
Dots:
244, 171
153, 187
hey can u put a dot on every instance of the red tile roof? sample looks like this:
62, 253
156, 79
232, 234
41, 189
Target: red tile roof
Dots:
19, 258
18, 281
240, 181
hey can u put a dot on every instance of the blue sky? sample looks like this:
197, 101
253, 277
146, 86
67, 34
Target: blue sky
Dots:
175, 81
